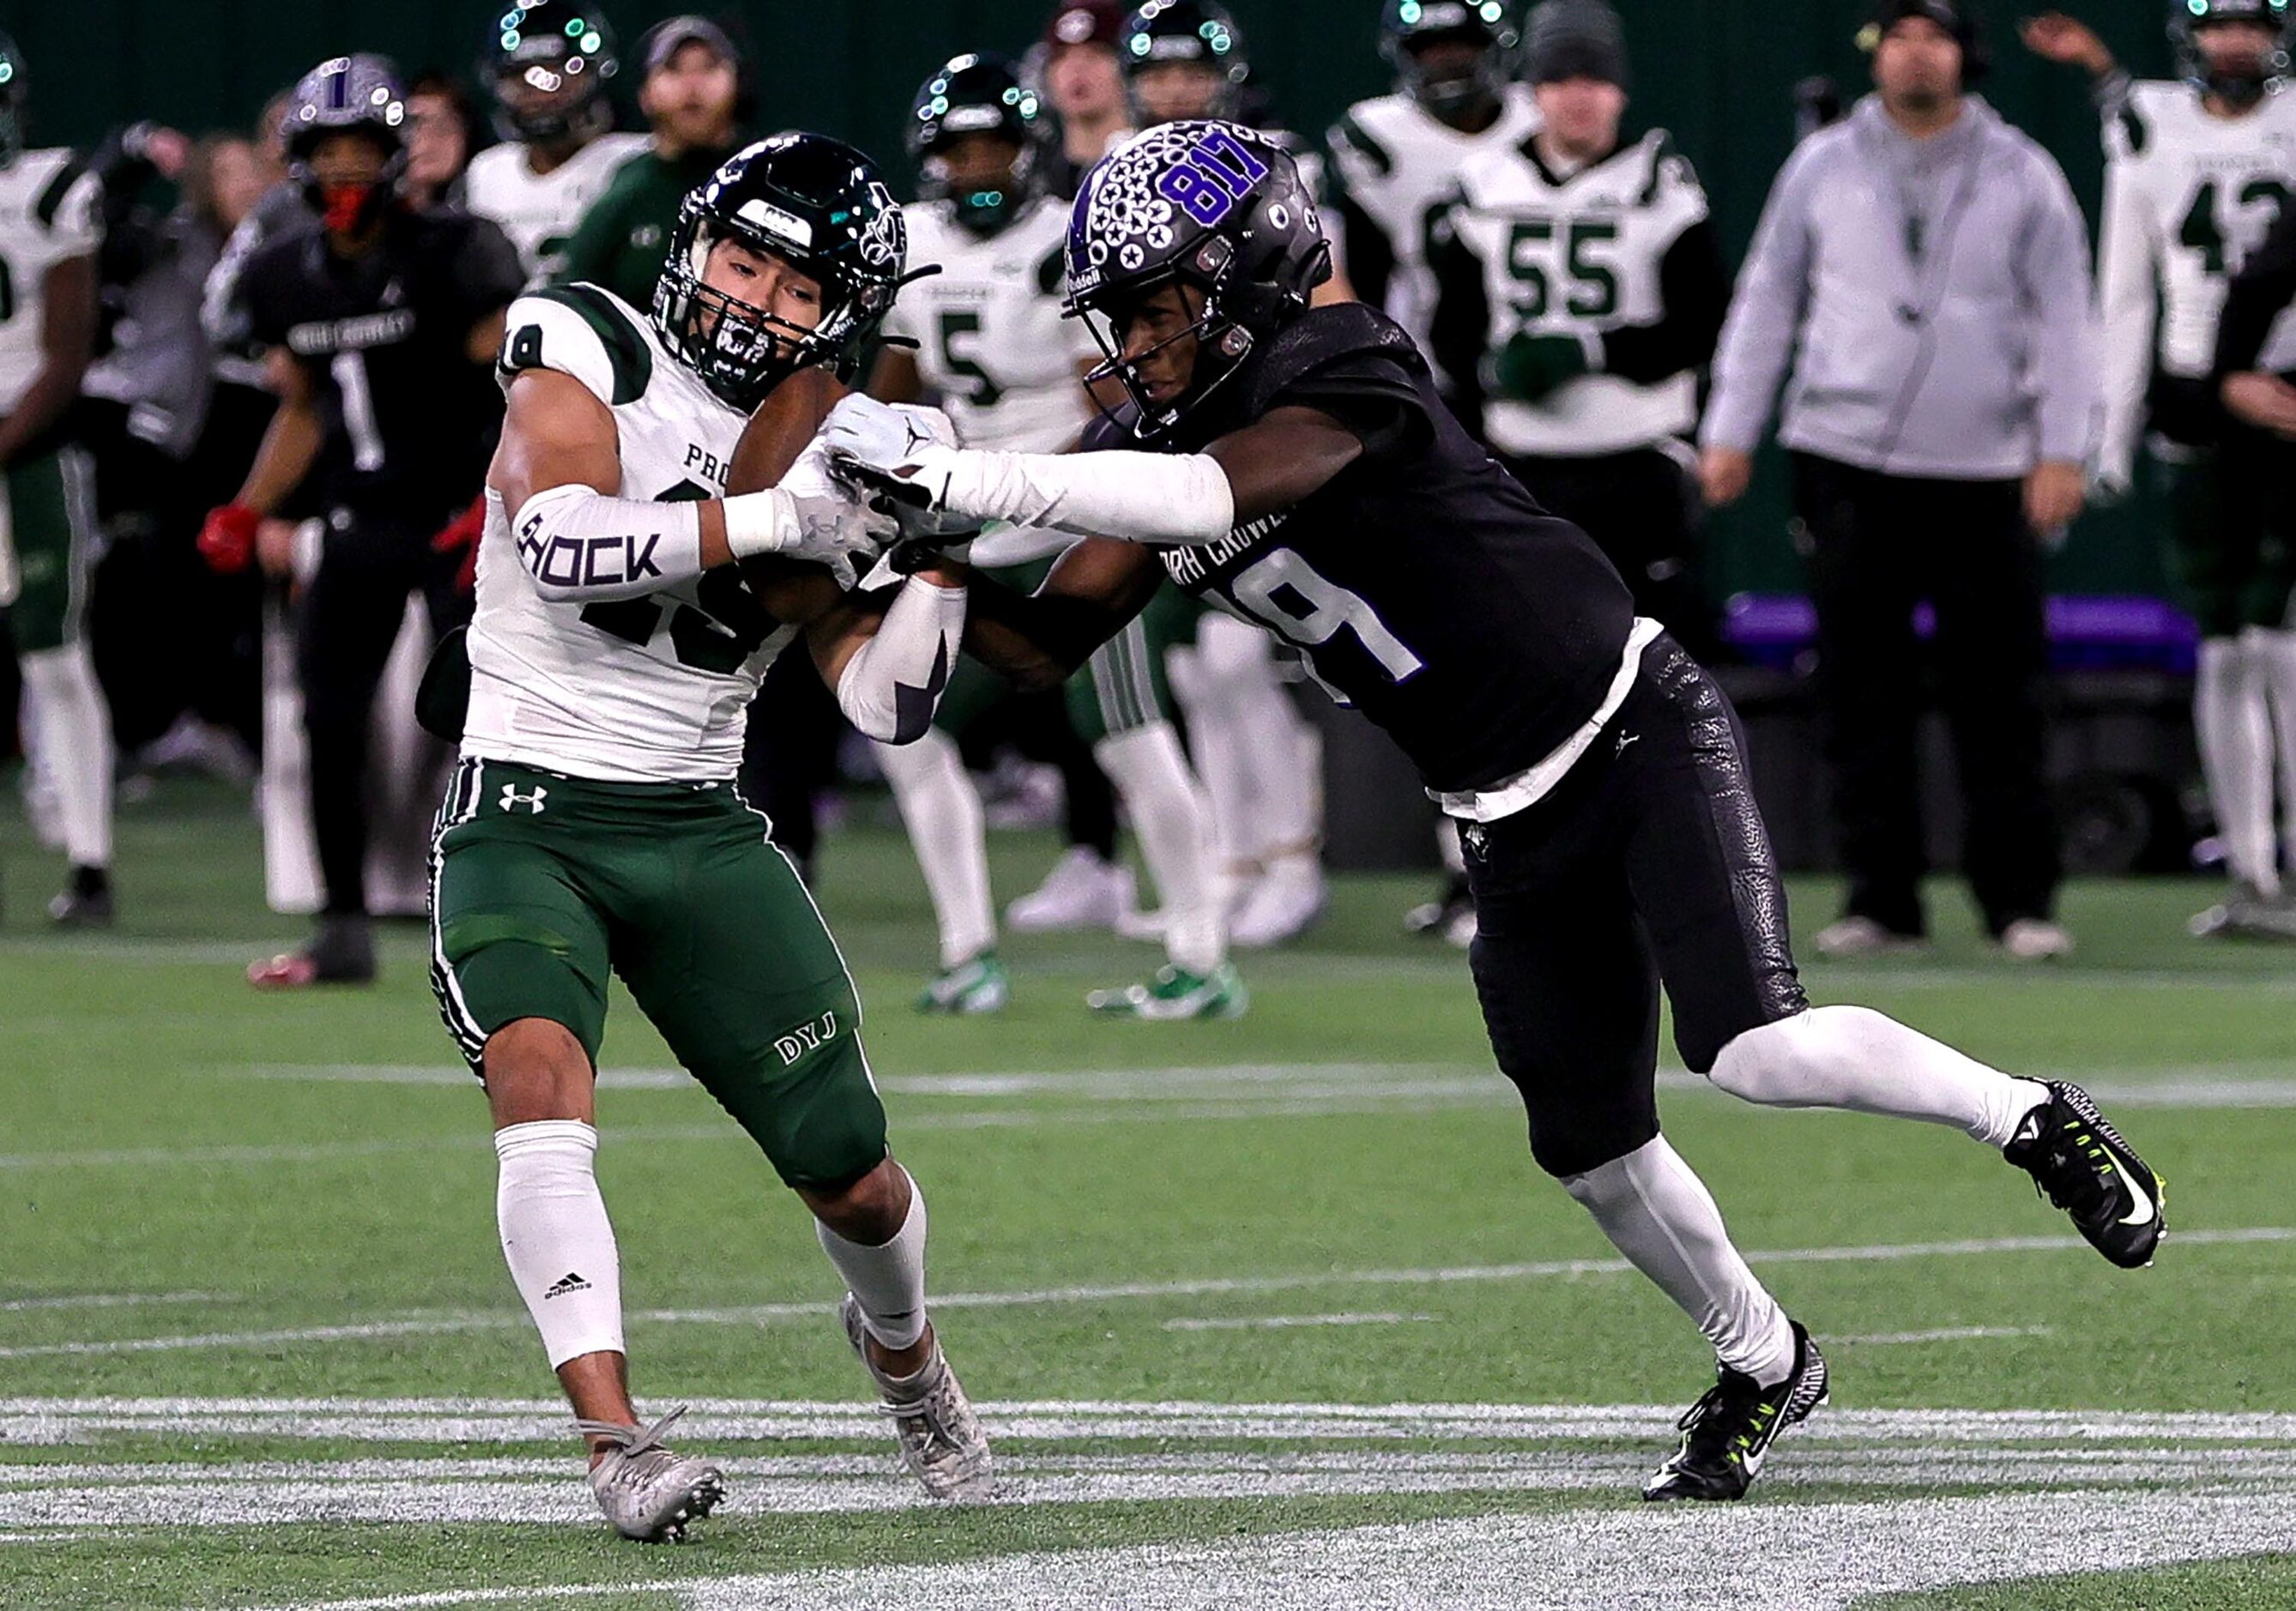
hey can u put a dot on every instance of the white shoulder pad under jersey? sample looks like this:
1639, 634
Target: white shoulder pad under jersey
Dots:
2204, 191
1580, 254
656, 689
990, 340
50, 212
1398, 164
539, 211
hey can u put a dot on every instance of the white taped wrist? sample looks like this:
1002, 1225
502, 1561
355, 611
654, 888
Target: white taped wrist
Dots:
579, 545
1141, 497
760, 522
893, 683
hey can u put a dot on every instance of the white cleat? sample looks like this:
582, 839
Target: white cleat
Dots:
646, 1491
2034, 940
1282, 905
1082, 891
941, 1440
1851, 938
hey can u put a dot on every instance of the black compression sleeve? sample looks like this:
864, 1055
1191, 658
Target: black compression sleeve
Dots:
2262, 290
1695, 290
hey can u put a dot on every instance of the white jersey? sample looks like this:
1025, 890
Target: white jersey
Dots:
991, 342
539, 211
1579, 256
2187, 195
1398, 164
649, 689
47, 216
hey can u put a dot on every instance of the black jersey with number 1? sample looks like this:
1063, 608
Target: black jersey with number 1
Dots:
385, 338
1423, 583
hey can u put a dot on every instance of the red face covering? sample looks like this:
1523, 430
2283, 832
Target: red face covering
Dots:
345, 206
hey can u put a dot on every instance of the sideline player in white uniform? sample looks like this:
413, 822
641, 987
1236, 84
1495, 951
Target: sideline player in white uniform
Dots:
992, 344
2197, 171
627, 608
50, 226
549, 73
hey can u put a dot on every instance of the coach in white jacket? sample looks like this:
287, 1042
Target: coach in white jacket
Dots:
1924, 270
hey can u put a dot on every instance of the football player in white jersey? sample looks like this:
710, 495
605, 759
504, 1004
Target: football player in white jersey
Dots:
991, 345
628, 604
51, 224
1395, 159
548, 62
2198, 169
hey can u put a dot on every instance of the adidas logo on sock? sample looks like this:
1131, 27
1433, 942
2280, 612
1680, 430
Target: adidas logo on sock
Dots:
564, 1284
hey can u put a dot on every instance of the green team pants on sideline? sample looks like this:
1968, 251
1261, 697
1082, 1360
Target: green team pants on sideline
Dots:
52, 525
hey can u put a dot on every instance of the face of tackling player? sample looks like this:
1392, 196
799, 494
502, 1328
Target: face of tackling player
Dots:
764, 282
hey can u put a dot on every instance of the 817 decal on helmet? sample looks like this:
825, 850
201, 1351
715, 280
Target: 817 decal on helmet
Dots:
1216, 173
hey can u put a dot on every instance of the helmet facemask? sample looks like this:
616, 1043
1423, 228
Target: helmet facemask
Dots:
2240, 89
742, 351
982, 209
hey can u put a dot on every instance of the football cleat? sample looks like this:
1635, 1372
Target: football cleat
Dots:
1856, 936
1283, 906
942, 1443
85, 902
1726, 1433
2034, 940
1082, 891
2083, 1167
1175, 993
979, 986
1450, 916
342, 953
2246, 913
649, 1493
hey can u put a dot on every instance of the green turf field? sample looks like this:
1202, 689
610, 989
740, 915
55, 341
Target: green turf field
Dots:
1274, 1312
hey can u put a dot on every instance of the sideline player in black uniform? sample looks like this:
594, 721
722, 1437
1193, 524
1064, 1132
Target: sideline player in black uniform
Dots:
1298, 469
382, 324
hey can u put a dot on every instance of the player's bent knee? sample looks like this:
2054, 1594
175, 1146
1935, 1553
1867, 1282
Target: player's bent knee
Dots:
868, 1209
536, 1069
1789, 1062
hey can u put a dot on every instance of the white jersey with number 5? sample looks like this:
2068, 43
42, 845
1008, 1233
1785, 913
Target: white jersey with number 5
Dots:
48, 215
2187, 195
990, 338
539, 211
656, 689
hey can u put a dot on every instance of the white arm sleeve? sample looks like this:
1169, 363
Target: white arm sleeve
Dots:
1140, 497
579, 545
892, 684
2127, 248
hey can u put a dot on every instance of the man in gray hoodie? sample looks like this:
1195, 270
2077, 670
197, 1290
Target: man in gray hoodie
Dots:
1924, 270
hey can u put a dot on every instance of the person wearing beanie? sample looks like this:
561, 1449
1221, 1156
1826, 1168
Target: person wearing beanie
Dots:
1923, 268
1084, 88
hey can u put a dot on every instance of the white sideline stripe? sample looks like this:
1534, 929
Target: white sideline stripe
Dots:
1279, 1322
762, 1313
109, 1300
1944, 1334
1762, 1558
516, 1422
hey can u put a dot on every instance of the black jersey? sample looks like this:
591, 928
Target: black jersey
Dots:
1422, 582
384, 337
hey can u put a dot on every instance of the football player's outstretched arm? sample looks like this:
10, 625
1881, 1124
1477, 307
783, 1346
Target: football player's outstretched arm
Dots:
559, 469
291, 441
1038, 640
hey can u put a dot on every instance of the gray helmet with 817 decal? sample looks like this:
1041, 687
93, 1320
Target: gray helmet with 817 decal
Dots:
821, 207
1210, 205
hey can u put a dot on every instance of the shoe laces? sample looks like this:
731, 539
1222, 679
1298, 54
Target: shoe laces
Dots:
1731, 1419
2077, 1166
641, 1448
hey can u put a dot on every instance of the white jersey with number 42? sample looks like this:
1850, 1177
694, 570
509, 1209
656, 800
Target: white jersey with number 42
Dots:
647, 689
47, 216
2187, 196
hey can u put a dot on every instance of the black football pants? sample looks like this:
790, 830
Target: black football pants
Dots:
1879, 545
1647, 864
347, 618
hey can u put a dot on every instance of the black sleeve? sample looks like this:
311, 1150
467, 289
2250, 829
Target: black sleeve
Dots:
1370, 393
1364, 249
487, 275
1460, 332
2258, 294
1694, 291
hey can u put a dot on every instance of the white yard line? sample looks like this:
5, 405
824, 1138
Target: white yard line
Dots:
1942, 1334
109, 1300
1284, 1323
762, 1313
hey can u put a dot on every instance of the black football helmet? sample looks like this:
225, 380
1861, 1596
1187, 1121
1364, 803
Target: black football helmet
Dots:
981, 94
561, 49
821, 207
347, 94
1407, 27
11, 101
2187, 18
1215, 207
1184, 31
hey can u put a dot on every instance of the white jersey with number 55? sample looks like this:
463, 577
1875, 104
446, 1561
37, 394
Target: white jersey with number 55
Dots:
991, 342
646, 690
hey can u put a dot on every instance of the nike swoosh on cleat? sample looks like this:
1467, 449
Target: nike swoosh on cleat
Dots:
2142, 1213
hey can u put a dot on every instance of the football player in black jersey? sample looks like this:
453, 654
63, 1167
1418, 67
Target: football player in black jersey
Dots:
1296, 467
382, 325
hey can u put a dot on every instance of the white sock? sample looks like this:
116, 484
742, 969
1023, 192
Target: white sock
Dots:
76, 747
557, 1236
887, 1281
942, 809
1173, 820
1217, 749
1657, 1212
1271, 741
2232, 721
2277, 653
1862, 1060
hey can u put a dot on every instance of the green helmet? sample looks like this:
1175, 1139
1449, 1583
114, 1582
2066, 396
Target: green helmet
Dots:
12, 101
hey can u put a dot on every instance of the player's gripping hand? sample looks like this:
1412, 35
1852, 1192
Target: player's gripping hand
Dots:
899, 454
227, 538
835, 527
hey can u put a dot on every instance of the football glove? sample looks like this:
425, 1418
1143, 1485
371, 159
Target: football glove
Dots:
898, 455
227, 539
1529, 367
